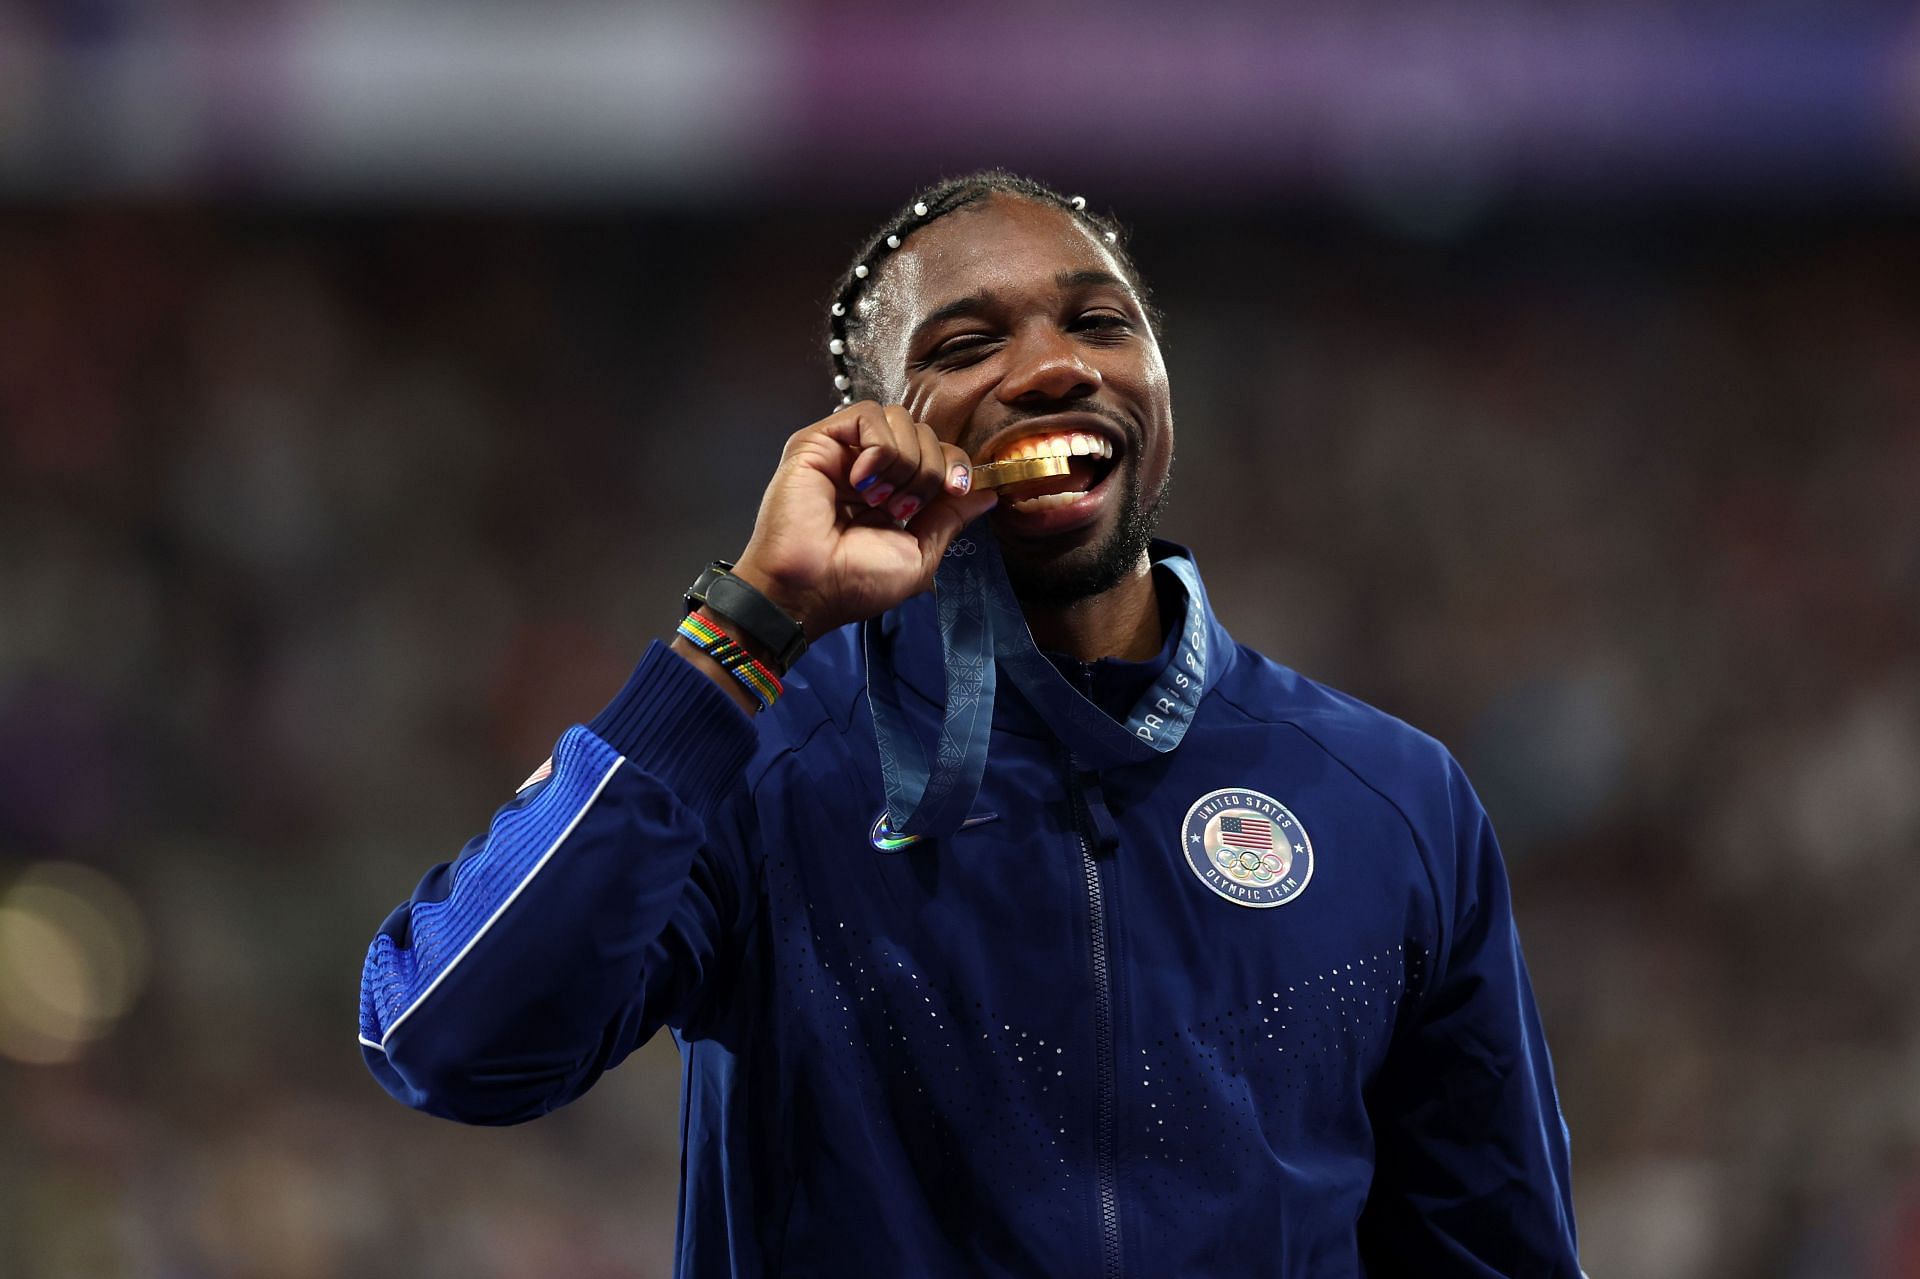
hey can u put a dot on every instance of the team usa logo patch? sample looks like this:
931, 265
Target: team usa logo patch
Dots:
1247, 847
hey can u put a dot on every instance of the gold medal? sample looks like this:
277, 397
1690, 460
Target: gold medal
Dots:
1000, 474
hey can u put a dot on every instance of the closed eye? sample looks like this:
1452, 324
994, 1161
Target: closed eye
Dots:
961, 347
1106, 323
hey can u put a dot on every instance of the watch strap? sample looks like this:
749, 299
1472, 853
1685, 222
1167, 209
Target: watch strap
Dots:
755, 618
713, 572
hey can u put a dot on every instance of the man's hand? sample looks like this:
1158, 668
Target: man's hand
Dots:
857, 516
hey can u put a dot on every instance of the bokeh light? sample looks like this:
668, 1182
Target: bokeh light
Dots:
73, 959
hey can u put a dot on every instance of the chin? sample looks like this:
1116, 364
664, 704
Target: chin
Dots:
1069, 567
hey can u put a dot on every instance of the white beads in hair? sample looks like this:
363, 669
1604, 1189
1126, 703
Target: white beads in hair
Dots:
863, 305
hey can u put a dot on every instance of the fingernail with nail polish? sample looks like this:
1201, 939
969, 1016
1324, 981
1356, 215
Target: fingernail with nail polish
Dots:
867, 483
906, 509
962, 479
878, 495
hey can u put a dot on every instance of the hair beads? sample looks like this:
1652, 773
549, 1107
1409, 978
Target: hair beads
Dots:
850, 306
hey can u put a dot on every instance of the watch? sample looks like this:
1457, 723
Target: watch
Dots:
758, 619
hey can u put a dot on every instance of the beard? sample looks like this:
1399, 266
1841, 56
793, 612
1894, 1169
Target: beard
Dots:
1043, 580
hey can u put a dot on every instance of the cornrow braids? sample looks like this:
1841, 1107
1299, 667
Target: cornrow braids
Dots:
853, 379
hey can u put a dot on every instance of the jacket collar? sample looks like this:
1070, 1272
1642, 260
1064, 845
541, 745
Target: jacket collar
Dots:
914, 630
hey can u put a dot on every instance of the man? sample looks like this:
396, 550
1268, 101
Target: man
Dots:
1216, 979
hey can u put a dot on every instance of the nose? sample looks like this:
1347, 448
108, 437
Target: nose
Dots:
1047, 365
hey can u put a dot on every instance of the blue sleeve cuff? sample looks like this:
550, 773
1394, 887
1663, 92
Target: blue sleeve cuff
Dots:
675, 724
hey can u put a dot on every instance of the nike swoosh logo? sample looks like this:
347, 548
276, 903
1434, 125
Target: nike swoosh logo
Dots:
886, 841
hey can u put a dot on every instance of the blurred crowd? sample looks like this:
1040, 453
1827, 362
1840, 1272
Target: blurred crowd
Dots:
315, 531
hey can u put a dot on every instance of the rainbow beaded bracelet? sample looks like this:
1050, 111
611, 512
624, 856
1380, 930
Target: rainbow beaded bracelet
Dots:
724, 649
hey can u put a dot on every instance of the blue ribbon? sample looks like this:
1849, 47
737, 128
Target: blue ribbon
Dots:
982, 629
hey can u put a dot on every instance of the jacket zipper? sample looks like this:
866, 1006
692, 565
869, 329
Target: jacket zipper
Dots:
1105, 1108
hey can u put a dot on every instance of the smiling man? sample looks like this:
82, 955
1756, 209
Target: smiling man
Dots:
1025, 925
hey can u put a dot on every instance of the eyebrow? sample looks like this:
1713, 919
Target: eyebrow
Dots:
986, 300
1089, 279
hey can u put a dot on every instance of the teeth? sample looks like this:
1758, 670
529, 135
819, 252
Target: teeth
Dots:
1064, 444
1044, 501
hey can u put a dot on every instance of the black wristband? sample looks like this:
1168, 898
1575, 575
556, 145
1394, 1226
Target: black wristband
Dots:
757, 619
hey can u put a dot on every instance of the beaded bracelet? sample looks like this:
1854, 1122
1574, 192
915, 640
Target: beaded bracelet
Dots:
724, 649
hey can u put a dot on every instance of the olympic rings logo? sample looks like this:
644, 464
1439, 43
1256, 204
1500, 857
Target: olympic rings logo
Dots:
1245, 865
961, 547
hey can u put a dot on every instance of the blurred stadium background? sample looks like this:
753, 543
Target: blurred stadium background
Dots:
374, 375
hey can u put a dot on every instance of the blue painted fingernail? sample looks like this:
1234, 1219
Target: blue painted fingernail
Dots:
867, 483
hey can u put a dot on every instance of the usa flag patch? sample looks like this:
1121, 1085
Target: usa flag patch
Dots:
1247, 847
540, 774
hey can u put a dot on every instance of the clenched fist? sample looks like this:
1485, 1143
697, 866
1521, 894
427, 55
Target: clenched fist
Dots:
858, 515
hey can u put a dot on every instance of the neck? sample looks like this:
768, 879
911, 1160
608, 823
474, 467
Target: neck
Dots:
1123, 621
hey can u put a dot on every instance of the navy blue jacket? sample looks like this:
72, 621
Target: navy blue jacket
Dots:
1060, 1042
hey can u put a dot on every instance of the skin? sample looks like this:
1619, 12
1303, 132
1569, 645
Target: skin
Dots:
865, 501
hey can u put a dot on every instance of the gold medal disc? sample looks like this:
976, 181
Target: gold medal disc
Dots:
1000, 474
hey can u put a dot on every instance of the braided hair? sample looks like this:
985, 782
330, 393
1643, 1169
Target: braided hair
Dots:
853, 379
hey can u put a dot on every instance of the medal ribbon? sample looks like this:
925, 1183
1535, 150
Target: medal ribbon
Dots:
982, 629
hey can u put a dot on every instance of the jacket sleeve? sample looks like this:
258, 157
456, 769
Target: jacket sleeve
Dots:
597, 907
1472, 1174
